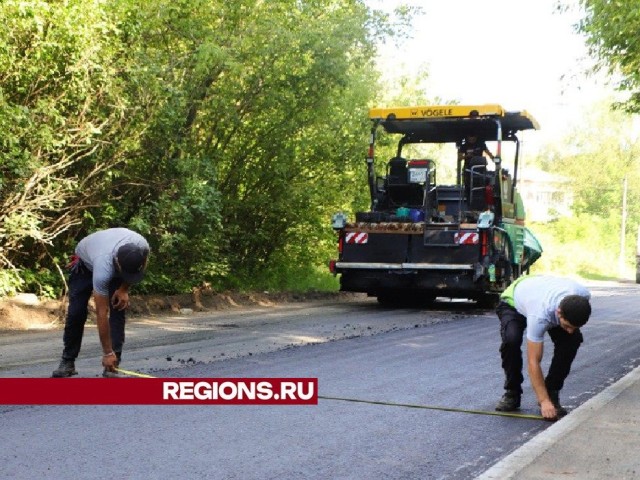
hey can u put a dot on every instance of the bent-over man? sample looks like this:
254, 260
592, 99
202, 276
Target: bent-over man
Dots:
539, 304
106, 263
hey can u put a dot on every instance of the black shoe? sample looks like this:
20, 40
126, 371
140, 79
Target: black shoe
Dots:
66, 369
509, 402
554, 396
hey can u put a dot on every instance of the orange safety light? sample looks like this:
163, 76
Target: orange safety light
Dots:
484, 243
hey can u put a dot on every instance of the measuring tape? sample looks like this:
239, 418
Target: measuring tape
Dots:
392, 404
431, 407
134, 374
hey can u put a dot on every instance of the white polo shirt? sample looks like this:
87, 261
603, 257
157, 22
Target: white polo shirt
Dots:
538, 297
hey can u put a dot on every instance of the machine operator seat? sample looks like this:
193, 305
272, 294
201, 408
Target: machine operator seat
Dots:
398, 174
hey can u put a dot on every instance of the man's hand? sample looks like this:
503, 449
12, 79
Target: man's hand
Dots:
534, 358
120, 299
110, 361
548, 411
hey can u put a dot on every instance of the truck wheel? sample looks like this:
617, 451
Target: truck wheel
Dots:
408, 299
388, 299
488, 301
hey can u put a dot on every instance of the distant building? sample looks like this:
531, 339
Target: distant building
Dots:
546, 196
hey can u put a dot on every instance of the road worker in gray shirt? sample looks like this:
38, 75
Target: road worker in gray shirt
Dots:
539, 305
107, 263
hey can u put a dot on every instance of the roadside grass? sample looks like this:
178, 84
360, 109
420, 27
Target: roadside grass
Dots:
585, 248
295, 278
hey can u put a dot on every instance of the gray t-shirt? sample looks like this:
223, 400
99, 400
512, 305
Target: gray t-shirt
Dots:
98, 250
538, 298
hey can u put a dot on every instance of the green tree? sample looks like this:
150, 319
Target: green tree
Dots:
251, 144
226, 132
597, 157
612, 29
64, 123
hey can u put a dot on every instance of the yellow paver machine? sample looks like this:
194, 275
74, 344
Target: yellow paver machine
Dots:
422, 239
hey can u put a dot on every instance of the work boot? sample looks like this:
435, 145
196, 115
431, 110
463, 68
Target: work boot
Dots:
554, 396
509, 402
66, 369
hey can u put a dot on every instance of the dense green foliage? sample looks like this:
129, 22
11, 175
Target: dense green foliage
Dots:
225, 132
612, 31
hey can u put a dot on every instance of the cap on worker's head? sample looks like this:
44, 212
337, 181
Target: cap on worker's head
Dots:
132, 260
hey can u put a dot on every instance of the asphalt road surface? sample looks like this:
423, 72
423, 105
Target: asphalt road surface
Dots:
446, 356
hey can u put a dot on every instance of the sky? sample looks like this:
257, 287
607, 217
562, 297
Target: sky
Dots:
521, 54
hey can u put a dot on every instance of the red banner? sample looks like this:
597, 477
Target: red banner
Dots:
158, 391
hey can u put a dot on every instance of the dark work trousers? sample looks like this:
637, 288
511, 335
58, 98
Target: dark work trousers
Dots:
80, 289
512, 328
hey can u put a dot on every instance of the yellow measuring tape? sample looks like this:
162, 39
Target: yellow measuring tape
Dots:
431, 407
134, 374
391, 404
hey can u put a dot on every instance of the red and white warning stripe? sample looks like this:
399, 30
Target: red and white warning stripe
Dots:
357, 237
466, 238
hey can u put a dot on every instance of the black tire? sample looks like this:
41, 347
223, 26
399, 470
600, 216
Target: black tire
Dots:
405, 299
488, 301
386, 299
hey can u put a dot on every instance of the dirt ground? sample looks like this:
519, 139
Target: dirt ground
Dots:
27, 312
